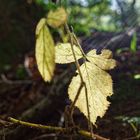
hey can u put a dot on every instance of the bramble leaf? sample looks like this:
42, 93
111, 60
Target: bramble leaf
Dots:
57, 18
102, 60
45, 51
98, 83
63, 53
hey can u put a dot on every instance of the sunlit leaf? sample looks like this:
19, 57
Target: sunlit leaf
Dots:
57, 18
99, 86
98, 83
63, 53
103, 60
45, 51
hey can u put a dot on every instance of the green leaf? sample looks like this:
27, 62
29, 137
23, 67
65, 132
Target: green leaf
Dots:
45, 51
57, 18
133, 46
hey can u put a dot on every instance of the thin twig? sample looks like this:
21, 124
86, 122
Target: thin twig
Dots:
53, 128
76, 61
78, 44
76, 97
84, 84
78, 68
5, 80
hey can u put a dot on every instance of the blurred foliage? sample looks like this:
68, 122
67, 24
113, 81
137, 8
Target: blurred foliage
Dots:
86, 15
128, 11
134, 122
133, 45
137, 76
104, 15
18, 20
127, 119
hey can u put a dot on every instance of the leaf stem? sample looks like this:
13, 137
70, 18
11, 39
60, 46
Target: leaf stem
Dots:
86, 92
76, 98
83, 84
78, 44
76, 61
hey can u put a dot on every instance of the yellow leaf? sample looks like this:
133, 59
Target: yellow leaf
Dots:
40, 25
98, 82
63, 53
103, 60
99, 86
57, 18
45, 51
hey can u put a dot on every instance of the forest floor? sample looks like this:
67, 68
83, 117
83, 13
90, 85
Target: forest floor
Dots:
121, 121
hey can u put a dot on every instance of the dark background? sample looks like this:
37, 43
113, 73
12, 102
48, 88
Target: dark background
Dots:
99, 24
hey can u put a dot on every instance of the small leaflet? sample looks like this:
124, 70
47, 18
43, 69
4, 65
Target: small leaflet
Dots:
63, 53
45, 51
57, 18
